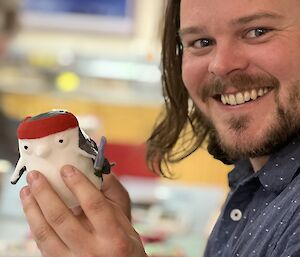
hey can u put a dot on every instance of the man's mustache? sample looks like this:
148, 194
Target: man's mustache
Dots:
241, 82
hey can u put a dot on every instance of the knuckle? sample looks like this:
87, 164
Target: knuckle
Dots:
41, 234
117, 208
57, 218
95, 204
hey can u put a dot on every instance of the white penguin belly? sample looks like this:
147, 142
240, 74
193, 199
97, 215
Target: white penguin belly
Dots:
51, 170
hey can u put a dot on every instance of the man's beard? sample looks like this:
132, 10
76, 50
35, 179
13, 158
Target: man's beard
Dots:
284, 126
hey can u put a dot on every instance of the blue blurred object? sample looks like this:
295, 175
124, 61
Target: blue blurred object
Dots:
97, 7
102, 16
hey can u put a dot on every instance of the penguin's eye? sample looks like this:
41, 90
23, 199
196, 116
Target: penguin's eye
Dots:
26, 147
61, 140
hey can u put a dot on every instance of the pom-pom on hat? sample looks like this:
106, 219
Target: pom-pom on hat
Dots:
46, 124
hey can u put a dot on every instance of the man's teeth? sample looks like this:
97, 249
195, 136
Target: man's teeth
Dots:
243, 97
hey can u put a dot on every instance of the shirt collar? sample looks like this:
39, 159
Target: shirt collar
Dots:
241, 171
278, 172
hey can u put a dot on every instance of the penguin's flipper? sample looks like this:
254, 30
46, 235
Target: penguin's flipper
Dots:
87, 145
17, 175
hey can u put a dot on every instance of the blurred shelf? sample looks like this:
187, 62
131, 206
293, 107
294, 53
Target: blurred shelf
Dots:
98, 79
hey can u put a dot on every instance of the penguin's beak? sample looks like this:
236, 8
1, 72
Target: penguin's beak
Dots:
42, 151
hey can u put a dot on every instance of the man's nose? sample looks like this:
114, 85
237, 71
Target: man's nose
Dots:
228, 58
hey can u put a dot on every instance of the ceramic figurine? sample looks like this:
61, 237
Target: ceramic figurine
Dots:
53, 139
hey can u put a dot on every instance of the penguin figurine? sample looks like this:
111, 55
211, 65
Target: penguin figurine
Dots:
53, 139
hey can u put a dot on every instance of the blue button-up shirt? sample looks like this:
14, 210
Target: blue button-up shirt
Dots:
261, 216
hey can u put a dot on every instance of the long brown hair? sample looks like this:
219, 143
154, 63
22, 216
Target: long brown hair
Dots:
180, 129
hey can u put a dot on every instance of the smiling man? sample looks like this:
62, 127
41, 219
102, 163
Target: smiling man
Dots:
231, 74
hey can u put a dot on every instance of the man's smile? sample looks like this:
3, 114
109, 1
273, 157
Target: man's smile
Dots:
242, 97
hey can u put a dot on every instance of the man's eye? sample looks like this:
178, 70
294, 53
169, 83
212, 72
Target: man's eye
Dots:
25, 147
202, 43
258, 32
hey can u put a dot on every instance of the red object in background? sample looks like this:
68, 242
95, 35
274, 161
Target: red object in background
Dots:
153, 238
130, 160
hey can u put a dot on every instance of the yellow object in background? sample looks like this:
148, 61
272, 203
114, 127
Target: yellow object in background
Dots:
67, 81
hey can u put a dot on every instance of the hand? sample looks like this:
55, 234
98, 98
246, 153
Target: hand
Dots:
102, 229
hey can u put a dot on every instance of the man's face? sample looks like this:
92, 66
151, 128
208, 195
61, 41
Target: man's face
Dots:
241, 67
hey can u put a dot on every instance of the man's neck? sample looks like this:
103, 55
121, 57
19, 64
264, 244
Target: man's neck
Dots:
259, 162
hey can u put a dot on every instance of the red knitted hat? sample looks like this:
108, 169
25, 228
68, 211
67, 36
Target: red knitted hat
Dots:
46, 124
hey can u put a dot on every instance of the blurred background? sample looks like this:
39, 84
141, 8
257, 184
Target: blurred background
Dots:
100, 59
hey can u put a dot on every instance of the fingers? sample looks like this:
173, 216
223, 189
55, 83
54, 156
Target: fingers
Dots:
92, 201
45, 237
53, 211
114, 190
104, 215
102, 229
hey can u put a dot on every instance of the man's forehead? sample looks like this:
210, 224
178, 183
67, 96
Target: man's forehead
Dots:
237, 4
235, 11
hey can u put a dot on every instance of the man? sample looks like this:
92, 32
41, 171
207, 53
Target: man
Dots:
238, 61
230, 74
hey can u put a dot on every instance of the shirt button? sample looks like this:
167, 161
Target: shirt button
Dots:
236, 214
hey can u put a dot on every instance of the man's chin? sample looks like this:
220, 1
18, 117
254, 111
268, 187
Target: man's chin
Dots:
245, 146
237, 150
241, 145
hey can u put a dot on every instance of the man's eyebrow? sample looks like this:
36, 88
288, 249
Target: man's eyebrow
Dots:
256, 16
190, 30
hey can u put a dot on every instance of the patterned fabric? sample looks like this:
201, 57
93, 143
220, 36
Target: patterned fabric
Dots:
261, 216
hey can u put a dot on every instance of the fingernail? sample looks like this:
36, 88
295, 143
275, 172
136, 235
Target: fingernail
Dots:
32, 176
24, 192
76, 210
68, 171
